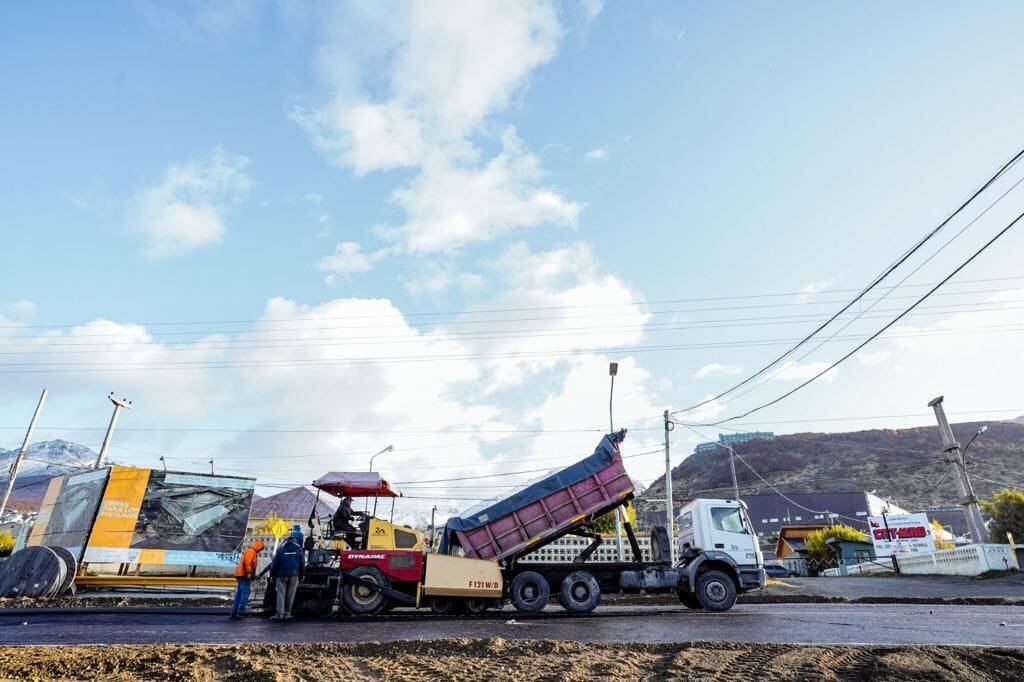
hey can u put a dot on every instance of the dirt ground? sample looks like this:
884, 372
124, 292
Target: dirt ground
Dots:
70, 602
499, 659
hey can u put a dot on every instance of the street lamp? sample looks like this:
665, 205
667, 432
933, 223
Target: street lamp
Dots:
963, 453
613, 369
390, 448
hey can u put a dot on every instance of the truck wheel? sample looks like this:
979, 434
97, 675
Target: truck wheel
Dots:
689, 600
530, 592
716, 591
580, 593
475, 607
364, 601
442, 606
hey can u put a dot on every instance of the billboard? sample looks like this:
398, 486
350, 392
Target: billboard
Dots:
169, 517
901, 534
68, 510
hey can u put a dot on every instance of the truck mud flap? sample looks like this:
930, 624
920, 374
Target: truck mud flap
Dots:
401, 597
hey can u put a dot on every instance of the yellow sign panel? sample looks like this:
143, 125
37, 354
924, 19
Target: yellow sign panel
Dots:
119, 510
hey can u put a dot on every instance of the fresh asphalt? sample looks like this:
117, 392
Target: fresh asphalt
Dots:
887, 624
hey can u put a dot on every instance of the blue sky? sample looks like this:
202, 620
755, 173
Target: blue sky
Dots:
195, 162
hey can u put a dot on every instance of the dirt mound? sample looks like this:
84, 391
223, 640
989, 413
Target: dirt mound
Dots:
108, 602
499, 659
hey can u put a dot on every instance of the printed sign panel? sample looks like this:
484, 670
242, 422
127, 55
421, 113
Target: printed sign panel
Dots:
68, 510
158, 517
901, 534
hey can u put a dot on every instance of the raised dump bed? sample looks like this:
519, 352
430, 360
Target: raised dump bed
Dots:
545, 510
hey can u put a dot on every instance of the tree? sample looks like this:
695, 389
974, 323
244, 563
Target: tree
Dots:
1006, 508
938, 536
606, 524
817, 541
6, 544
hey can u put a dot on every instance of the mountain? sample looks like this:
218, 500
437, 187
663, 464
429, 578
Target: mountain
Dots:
905, 465
42, 461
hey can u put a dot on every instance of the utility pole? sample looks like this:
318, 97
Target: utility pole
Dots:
13, 474
964, 488
613, 369
732, 466
118, 404
669, 512
211, 467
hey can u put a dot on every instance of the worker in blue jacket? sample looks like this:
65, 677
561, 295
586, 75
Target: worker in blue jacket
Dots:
287, 569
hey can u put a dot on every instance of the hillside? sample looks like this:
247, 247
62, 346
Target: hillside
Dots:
905, 465
43, 461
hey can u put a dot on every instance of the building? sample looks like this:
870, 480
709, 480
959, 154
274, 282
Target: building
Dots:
769, 512
734, 438
291, 506
951, 516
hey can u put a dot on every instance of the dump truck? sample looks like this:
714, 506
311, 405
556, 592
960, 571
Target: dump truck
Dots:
478, 562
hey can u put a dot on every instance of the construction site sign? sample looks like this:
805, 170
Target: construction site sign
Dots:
901, 534
67, 512
279, 528
166, 517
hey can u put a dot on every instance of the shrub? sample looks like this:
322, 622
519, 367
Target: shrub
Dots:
817, 541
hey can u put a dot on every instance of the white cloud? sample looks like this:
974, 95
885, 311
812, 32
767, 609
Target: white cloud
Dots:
591, 8
21, 311
713, 368
413, 86
348, 257
598, 154
802, 371
866, 357
313, 197
449, 206
809, 291
186, 209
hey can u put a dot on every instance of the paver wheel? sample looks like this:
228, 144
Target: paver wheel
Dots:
530, 592
445, 606
716, 591
579, 593
475, 607
361, 600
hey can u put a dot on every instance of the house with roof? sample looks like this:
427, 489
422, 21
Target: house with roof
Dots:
292, 506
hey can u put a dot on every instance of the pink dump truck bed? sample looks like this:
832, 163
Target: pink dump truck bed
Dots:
547, 509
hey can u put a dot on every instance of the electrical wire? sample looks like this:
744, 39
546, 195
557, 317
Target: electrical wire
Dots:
877, 333
874, 283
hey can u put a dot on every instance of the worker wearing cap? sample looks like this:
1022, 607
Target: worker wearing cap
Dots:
245, 571
342, 522
287, 569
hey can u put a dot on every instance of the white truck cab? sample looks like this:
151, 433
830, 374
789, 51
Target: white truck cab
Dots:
718, 534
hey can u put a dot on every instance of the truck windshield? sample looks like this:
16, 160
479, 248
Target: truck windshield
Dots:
728, 519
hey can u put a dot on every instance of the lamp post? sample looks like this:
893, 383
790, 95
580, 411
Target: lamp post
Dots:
118, 404
732, 466
963, 453
613, 369
390, 448
366, 503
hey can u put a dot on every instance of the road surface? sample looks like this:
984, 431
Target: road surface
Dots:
767, 623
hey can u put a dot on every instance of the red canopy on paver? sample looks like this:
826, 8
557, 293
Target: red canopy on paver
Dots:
355, 484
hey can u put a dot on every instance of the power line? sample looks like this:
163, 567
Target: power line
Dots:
482, 310
874, 283
879, 332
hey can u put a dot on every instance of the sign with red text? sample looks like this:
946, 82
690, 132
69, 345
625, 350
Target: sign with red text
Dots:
901, 534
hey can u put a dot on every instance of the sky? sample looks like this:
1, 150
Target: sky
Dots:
295, 233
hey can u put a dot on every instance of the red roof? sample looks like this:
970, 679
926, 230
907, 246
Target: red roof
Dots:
355, 484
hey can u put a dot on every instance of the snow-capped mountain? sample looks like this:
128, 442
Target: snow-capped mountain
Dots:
49, 457
420, 518
42, 461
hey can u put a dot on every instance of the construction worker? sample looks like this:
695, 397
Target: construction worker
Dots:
245, 572
342, 522
288, 569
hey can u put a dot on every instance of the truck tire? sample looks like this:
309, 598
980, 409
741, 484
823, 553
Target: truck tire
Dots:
716, 591
689, 600
476, 606
445, 606
530, 592
579, 593
364, 601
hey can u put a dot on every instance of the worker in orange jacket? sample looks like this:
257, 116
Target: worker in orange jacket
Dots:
245, 571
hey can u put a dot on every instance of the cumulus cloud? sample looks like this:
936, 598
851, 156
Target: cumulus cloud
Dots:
443, 74
713, 368
348, 257
599, 154
186, 210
